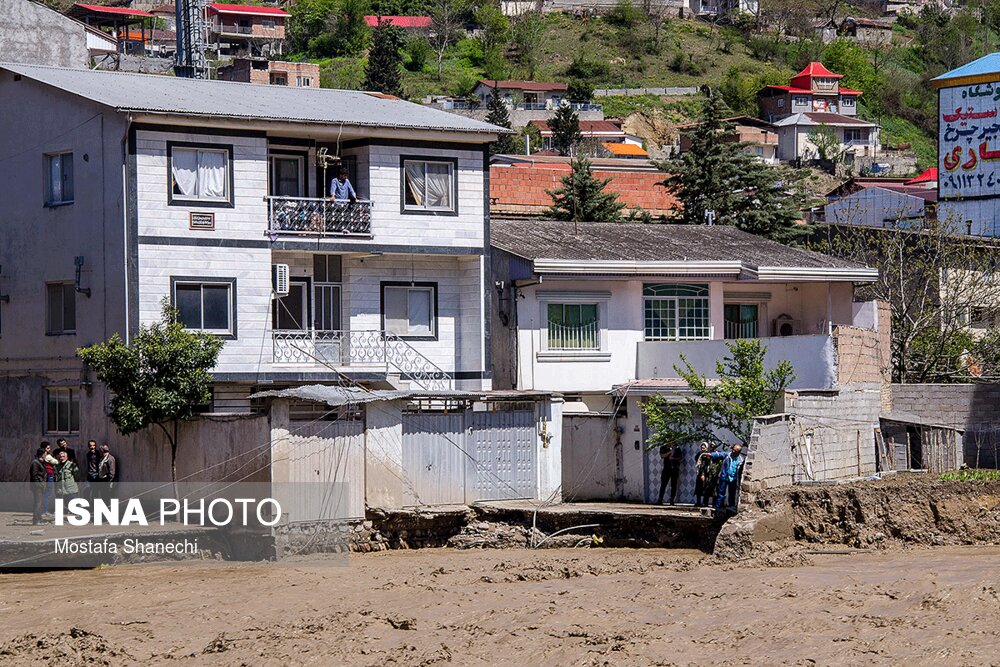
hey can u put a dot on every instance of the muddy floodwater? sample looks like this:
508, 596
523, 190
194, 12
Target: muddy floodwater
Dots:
930, 606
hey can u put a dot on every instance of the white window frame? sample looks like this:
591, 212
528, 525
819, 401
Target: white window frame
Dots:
675, 303
547, 298
856, 131
452, 184
847, 101
65, 158
800, 101
74, 397
431, 289
227, 197
229, 284
303, 81
67, 288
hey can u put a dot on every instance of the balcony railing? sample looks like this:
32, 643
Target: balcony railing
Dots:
369, 350
304, 216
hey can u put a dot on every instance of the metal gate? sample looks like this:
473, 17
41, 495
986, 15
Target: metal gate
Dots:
433, 461
504, 447
329, 456
462, 457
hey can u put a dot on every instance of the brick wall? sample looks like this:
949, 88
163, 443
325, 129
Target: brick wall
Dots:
521, 190
862, 356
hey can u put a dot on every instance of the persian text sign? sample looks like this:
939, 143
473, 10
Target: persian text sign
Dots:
969, 141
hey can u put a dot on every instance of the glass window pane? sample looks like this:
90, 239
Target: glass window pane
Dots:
66, 163
286, 181
573, 326
54, 296
69, 307
184, 169
396, 316
660, 319
187, 300
290, 310
215, 300
319, 268
51, 411
419, 310
74, 412
327, 307
438, 185
55, 179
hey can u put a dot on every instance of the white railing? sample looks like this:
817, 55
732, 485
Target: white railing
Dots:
574, 337
740, 330
310, 216
370, 350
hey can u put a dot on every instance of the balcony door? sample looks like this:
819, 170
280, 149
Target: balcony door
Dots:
742, 320
288, 176
291, 311
328, 277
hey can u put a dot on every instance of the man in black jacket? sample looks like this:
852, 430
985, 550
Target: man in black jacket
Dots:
38, 477
93, 461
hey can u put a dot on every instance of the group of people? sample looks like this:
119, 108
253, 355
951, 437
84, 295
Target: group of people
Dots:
56, 474
717, 479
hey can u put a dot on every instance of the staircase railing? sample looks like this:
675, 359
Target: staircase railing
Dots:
339, 349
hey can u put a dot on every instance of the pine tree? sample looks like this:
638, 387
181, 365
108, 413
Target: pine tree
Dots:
565, 126
384, 71
582, 197
500, 116
718, 179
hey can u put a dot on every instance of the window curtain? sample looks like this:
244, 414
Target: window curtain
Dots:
419, 312
438, 185
396, 311
211, 175
184, 167
415, 181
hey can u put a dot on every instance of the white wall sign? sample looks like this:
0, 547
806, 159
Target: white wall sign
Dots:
969, 141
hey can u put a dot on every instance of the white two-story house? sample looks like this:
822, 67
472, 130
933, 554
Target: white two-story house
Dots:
122, 191
606, 313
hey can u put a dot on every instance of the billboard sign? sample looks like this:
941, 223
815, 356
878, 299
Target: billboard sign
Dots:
969, 141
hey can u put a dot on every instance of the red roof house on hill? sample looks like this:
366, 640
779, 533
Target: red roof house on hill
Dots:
814, 89
242, 25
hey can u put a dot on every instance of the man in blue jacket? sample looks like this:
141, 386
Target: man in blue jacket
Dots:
729, 475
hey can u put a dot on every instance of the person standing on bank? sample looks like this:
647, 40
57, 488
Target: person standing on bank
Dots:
50, 476
67, 478
107, 473
671, 456
37, 477
704, 481
93, 461
729, 475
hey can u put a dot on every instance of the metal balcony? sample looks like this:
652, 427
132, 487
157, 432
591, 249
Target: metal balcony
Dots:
307, 216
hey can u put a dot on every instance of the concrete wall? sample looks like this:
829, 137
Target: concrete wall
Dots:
862, 355
30, 32
821, 436
972, 407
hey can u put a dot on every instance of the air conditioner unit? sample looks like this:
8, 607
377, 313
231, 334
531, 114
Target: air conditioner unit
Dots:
783, 325
279, 279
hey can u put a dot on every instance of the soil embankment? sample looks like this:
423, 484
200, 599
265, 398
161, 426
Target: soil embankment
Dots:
902, 510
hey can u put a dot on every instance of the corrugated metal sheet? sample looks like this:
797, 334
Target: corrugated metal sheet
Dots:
328, 459
225, 99
433, 459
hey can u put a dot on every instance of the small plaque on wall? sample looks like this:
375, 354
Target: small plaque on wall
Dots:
202, 220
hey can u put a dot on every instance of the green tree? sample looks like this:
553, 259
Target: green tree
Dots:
579, 90
582, 197
350, 28
498, 114
493, 37
745, 389
828, 145
158, 379
308, 20
447, 17
740, 86
719, 181
565, 126
384, 71
527, 35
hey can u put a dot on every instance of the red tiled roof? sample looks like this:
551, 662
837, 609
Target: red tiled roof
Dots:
524, 85
791, 89
246, 9
401, 21
120, 11
848, 91
926, 177
586, 127
817, 69
521, 189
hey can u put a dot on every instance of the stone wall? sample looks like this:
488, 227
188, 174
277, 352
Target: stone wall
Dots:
862, 355
975, 408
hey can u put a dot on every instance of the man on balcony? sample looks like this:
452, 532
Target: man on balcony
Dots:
341, 189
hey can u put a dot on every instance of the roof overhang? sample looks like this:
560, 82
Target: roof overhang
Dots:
731, 269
